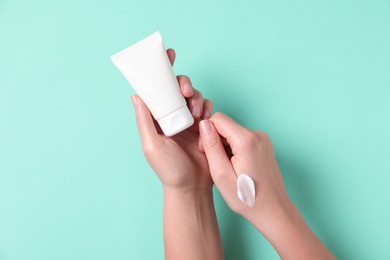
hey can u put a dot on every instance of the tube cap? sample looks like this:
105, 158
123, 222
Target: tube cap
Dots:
176, 121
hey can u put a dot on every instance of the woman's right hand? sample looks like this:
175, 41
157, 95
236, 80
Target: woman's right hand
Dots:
273, 214
253, 155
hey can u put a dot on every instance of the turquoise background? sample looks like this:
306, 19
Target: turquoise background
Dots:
315, 75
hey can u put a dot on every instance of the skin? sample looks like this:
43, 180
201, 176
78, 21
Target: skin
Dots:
273, 214
190, 225
216, 149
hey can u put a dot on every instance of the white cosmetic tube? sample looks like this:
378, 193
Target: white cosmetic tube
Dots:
147, 68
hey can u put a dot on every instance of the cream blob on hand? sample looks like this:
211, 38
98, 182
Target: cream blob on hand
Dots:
246, 190
147, 68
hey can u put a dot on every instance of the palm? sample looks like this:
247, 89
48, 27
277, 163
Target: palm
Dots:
178, 160
192, 167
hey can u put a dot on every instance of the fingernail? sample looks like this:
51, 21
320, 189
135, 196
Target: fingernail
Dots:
134, 101
196, 111
187, 88
204, 127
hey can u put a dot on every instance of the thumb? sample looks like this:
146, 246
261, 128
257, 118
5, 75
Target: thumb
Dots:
221, 169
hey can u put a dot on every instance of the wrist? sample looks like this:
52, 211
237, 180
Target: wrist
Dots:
190, 222
280, 214
285, 228
193, 209
187, 196
189, 206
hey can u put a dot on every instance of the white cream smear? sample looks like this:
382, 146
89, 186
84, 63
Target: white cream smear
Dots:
246, 190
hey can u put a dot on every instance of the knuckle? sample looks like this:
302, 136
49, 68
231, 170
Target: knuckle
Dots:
265, 139
208, 103
255, 139
262, 135
196, 98
219, 174
198, 94
149, 148
184, 78
211, 141
260, 141
249, 137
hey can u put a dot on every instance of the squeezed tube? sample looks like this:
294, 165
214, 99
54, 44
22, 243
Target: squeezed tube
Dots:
147, 68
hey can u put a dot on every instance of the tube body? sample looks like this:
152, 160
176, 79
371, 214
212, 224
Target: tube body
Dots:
147, 68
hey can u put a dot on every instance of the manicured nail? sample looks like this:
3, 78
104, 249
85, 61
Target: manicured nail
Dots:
134, 101
196, 111
204, 127
187, 88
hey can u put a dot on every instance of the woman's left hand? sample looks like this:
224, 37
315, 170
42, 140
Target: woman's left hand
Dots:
179, 161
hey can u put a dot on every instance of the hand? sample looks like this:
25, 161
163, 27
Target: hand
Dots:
252, 154
178, 160
273, 214
190, 225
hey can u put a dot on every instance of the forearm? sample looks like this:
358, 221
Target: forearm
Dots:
190, 226
289, 234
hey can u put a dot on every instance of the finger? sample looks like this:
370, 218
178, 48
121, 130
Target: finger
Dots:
195, 104
200, 145
221, 169
171, 55
207, 109
185, 86
228, 128
146, 127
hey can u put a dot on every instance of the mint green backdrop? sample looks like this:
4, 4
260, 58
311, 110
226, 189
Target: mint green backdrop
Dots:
315, 75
